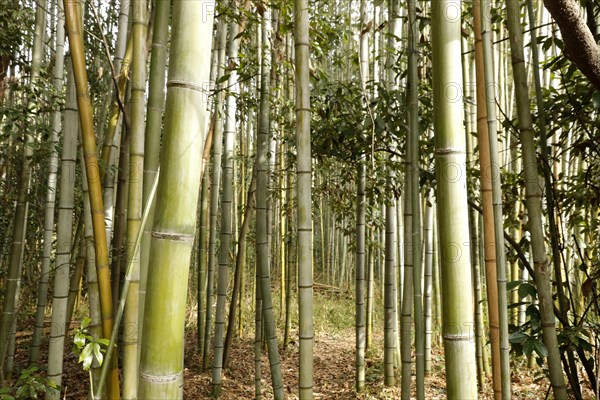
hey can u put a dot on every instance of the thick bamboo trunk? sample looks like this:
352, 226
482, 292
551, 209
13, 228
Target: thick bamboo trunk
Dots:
161, 363
459, 349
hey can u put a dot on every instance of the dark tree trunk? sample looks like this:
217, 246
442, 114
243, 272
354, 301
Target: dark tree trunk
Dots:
580, 45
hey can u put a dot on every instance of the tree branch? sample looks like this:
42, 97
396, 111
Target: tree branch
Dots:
580, 46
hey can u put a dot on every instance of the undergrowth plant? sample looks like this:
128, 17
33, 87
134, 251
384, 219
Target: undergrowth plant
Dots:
30, 385
88, 348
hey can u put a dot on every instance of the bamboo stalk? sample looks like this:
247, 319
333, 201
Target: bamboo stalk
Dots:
51, 191
459, 349
64, 232
94, 183
487, 202
533, 203
226, 206
214, 191
161, 363
304, 190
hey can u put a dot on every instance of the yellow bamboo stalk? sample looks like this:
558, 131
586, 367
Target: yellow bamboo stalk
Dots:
73, 25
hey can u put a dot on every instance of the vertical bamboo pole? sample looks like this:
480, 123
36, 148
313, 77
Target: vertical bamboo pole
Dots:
415, 197
215, 187
459, 349
93, 178
359, 291
134, 198
533, 202
226, 205
161, 363
487, 202
154, 117
304, 190
427, 299
51, 192
494, 176
19, 228
64, 232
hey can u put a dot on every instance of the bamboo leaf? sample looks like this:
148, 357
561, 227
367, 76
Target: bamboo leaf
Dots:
512, 284
98, 353
527, 289
540, 348
86, 357
518, 337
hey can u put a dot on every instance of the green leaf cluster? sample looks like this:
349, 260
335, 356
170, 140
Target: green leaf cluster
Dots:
88, 348
30, 385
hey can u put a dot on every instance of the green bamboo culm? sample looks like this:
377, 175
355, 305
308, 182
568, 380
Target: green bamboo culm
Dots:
360, 214
161, 363
496, 200
450, 149
388, 288
217, 151
134, 197
226, 206
19, 229
154, 116
50, 193
393, 46
124, 294
262, 245
410, 243
304, 212
64, 233
415, 194
533, 203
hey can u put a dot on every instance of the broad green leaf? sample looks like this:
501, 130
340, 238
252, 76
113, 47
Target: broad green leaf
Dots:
528, 346
527, 289
518, 337
86, 356
512, 284
85, 322
79, 340
98, 353
540, 348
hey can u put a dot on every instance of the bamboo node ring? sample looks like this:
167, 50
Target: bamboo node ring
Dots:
160, 379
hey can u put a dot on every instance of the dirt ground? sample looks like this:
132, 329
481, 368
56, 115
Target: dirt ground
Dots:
333, 372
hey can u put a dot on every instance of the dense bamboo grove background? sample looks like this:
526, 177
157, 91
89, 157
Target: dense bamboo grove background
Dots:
189, 187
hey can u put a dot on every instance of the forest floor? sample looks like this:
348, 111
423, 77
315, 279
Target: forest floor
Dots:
333, 364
